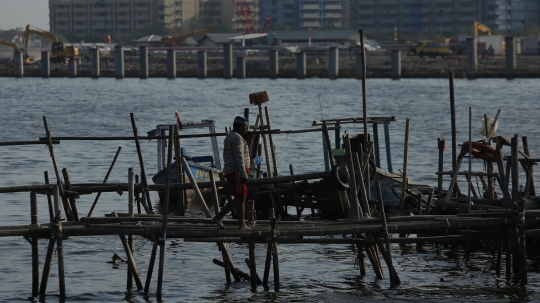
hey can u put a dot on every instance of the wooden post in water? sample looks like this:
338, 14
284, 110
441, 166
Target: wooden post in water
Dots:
141, 162
405, 158
105, 180
35, 255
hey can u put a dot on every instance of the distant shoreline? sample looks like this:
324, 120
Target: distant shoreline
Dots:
378, 66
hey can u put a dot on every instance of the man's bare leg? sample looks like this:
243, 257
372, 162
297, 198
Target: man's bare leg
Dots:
241, 211
224, 210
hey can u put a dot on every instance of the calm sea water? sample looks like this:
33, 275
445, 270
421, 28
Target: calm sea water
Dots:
309, 273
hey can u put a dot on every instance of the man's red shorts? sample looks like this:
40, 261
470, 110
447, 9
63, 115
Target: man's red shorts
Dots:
238, 189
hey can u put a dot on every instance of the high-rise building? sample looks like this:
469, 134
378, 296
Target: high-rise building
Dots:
442, 17
85, 17
230, 15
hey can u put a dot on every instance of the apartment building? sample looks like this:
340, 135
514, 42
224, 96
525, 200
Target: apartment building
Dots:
85, 17
441, 17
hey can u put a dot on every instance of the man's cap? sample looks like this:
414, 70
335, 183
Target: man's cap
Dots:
241, 120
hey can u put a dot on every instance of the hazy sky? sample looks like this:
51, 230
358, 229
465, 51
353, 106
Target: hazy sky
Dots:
19, 13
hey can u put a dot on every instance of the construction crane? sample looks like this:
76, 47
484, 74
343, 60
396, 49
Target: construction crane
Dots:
60, 51
268, 25
26, 59
179, 40
477, 26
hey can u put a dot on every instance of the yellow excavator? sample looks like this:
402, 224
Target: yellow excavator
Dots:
179, 40
477, 26
60, 52
26, 59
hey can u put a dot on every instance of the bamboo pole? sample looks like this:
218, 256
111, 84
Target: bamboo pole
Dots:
165, 213
34, 242
405, 159
274, 131
373, 260
47, 263
508, 253
440, 144
28, 143
49, 197
144, 180
251, 264
59, 244
430, 198
363, 194
295, 195
469, 202
105, 180
222, 247
529, 188
394, 279
65, 202
130, 258
328, 144
241, 274
215, 197
151, 264
271, 141
453, 120
351, 180
265, 143
361, 258
70, 197
179, 174
129, 271
522, 247
516, 195
269, 249
195, 187
131, 190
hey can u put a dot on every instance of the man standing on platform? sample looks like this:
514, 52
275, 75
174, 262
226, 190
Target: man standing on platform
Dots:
236, 170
